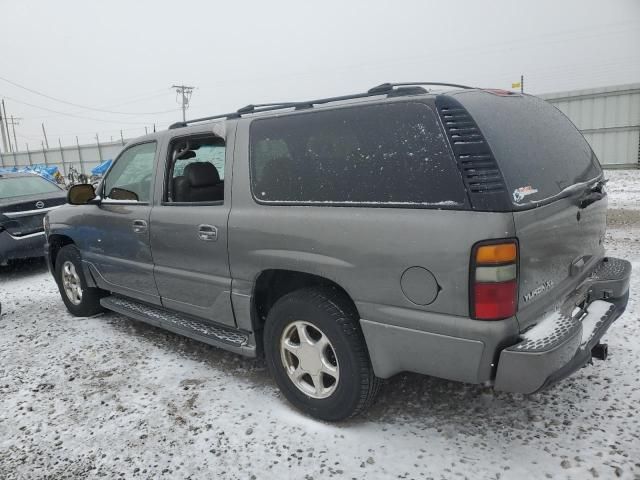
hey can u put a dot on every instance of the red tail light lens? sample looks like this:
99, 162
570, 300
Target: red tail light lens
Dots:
494, 301
494, 280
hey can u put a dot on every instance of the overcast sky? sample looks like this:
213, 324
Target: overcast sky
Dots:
123, 56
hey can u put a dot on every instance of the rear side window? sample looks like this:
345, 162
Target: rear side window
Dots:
386, 155
539, 151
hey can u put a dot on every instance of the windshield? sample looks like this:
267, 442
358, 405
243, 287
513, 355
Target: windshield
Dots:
23, 186
539, 151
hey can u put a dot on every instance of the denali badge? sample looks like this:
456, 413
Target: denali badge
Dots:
39, 204
537, 291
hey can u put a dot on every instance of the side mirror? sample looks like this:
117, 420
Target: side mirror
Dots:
81, 194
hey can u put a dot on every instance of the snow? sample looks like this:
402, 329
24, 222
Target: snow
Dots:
596, 311
543, 329
549, 324
623, 189
109, 397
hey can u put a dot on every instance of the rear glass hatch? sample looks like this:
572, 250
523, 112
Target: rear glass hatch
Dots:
549, 177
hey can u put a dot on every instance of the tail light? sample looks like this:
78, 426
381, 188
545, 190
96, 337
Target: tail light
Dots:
493, 280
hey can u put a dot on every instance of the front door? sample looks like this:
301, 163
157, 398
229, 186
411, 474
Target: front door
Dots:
189, 230
115, 237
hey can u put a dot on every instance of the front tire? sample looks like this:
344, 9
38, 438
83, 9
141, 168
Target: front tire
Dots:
316, 352
80, 300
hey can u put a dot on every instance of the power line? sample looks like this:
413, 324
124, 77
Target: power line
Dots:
79, 116
76, 104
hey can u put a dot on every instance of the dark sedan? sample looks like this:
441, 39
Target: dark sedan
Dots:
25, 199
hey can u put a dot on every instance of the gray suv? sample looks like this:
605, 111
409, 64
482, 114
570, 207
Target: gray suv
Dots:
456, 233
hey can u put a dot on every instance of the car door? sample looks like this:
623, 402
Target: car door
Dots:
115, 233
189, 228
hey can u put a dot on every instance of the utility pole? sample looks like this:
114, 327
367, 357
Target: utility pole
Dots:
185, 92
44, 132
4, 136
5, 126
15, 121
521, 83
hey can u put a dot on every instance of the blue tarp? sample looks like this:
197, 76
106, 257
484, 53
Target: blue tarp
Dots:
45, 171
102, 168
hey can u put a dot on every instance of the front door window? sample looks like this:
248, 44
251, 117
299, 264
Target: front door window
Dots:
130, 177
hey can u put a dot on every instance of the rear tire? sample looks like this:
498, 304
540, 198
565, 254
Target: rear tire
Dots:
80, 300
341, 383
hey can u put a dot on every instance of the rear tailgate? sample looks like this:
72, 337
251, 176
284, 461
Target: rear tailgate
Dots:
549, 170
560, 244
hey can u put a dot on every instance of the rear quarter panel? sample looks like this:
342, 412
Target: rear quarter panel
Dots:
364, 250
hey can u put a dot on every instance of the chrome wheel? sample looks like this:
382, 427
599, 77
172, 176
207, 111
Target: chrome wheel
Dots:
71, 283
309, 359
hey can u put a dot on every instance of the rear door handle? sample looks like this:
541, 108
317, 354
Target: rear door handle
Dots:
208, 233
139, 226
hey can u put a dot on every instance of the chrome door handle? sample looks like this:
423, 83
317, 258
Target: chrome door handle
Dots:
139, 226
208, 233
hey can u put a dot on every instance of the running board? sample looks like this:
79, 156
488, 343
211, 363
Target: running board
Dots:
216, 335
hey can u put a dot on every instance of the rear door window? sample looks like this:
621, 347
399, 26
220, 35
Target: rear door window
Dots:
539, 151
382, 155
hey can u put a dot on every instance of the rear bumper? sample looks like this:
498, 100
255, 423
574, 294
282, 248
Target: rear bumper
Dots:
12, 248
562, 343
467, 350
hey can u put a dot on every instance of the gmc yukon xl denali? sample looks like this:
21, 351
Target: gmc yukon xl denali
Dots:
456, 233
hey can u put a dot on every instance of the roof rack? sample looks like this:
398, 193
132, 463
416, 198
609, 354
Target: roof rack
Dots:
388, 87
382, 89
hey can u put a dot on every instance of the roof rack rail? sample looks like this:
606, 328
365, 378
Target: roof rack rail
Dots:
387, 87
381, 89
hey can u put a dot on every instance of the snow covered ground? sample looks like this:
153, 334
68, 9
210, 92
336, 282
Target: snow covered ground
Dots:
108, 397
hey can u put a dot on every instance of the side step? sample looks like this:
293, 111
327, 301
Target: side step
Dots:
216, 335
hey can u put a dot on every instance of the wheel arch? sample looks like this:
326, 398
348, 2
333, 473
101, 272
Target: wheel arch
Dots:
272, 284
55, 242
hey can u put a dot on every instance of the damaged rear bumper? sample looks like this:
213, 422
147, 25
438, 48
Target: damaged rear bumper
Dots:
562, 343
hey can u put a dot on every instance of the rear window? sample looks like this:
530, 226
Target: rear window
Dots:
23, 186
385, 155
539, 151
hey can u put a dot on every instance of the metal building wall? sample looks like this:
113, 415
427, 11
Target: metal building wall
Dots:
609, 118
82, 157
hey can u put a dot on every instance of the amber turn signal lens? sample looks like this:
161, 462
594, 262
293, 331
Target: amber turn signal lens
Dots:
497, 253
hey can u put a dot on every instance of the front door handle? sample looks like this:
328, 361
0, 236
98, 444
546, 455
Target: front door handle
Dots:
208, 233
139, 226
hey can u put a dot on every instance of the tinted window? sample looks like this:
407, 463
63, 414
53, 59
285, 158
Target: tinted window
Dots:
21, 186
378, 154
130, 177
539, 151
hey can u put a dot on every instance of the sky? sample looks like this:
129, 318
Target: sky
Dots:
87, 68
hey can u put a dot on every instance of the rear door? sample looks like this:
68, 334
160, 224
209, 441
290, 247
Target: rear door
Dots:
189, 228
550, 171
